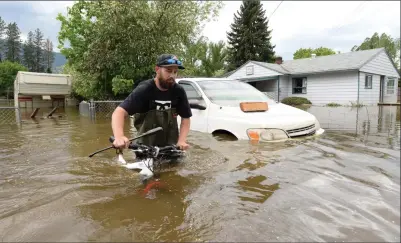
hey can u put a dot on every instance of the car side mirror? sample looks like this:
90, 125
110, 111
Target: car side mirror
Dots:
196, 105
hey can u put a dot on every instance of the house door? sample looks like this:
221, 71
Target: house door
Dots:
381, 94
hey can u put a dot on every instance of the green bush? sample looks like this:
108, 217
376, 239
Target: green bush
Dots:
295, 101
332, 104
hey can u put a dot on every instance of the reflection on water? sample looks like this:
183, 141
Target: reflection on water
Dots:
374, 125
341, 186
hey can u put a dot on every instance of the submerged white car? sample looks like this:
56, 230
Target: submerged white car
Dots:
220, 106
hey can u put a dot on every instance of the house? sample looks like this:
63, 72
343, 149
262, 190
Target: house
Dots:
37, 90
364, 77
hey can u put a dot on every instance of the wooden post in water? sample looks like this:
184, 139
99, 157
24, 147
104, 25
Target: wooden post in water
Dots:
35, 112
51, 112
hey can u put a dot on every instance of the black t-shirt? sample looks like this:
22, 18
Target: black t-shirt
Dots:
147, 96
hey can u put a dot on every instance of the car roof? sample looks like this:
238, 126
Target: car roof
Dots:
206, 79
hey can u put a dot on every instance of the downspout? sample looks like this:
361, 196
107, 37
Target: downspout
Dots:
359, 77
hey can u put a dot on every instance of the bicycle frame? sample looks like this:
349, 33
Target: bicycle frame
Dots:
147, 156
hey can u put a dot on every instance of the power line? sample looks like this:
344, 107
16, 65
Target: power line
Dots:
275, 9
357, 8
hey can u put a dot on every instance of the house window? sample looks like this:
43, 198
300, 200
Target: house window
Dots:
368, 81
192, 94
390, 86
299, 85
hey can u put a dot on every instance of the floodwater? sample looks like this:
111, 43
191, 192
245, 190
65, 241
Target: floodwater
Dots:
341, 186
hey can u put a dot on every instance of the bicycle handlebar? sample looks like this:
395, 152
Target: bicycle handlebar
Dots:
146, 147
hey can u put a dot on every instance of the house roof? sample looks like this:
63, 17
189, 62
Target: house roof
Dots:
344, 61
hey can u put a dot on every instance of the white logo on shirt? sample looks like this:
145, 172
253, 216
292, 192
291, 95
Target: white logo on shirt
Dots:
162, 105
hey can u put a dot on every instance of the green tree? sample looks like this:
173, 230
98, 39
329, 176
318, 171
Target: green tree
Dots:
307, 52
249, 38
29, 49
38, 65
213, 62
392, 45
192, 53
2, 29
8, 72
13, 43
204, 58
121, 40
48, 55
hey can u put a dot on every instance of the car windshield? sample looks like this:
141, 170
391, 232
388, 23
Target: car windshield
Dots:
232, 92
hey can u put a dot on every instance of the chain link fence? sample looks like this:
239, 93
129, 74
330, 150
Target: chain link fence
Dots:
9, 115
99, 109
4, 102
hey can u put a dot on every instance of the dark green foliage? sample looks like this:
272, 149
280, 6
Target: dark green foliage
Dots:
249, 38
295, 101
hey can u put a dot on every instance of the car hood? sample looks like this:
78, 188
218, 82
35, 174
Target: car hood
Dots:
278, 115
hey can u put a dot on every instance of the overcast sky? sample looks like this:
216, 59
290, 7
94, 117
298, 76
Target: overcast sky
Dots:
337, 25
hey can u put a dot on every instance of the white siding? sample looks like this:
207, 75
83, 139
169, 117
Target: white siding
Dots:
28, 83
369, 96
380, 65
338, 87
258, 71
390, 98
285, 87
44, 89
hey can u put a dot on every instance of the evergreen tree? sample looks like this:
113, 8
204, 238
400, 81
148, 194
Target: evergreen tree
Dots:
13, 43
249, 38
48, 55
29, 49
38, 51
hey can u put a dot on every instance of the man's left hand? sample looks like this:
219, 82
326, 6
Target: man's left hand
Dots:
182, 145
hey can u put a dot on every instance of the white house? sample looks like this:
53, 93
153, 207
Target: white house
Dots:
36, 90
365, 77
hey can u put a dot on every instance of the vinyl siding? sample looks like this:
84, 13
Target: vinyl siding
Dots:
44, 89
369, 96
338, 87
258, 71
42, 84
391, 98
285, 87
380, 65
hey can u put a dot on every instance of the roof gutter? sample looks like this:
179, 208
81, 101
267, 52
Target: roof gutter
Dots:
265, 78
324, 71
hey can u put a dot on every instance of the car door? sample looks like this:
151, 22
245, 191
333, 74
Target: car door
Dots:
199, 116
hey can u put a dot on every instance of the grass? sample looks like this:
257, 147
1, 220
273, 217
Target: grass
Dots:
354, 104
333, 104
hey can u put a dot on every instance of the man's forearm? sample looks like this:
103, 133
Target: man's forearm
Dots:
184, 129
117, 122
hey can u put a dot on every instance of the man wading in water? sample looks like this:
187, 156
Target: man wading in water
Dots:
156, 103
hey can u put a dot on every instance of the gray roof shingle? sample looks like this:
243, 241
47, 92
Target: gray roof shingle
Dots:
338, 62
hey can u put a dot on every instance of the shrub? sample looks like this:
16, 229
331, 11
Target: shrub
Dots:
295, 101
332, 104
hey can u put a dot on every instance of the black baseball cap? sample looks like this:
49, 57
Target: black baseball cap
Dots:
168, 60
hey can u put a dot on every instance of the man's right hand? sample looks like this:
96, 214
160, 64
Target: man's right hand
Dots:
121, 142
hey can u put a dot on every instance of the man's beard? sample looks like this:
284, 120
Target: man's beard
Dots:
166, 83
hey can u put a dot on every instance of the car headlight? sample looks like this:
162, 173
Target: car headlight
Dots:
267, 134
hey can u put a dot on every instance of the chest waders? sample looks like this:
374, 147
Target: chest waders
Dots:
165, 118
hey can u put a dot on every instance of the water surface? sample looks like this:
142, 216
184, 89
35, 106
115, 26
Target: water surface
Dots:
341, 186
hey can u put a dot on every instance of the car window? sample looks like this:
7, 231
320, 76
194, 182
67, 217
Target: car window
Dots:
190, 90
231, 93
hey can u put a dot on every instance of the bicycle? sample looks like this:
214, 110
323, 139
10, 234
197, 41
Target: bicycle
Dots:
147, 155
149, 158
